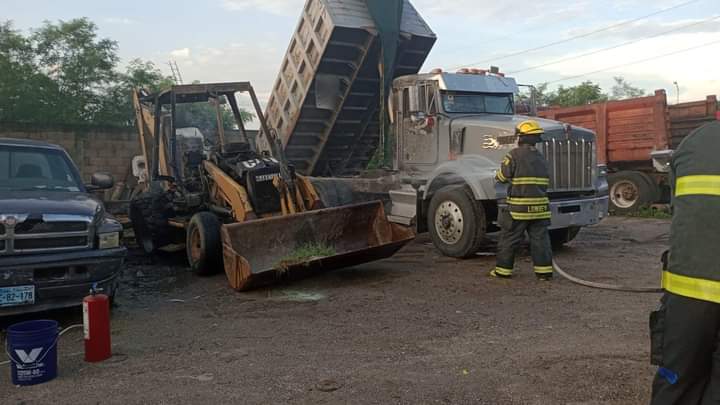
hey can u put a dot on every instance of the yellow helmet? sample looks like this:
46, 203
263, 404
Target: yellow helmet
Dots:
529, 127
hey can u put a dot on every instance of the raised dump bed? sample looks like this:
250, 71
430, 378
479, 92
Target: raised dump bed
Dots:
325, 101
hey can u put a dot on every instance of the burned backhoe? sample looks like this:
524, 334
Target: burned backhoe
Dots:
235, 207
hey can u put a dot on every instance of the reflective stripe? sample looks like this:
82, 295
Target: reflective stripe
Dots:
503, 271
540, 181
501, 177
698, 288
524, 216
694, 185
528, 200
543, 269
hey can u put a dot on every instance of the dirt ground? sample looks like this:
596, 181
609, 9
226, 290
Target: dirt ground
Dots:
418, 328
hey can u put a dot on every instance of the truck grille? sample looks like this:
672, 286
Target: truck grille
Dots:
570, 162
51, 233
35, 226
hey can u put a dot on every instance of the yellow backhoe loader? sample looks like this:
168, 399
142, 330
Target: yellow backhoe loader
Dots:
235, 207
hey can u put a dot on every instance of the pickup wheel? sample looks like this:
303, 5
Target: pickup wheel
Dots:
559, 237
149, 217
204, 245
456, 222
629, 191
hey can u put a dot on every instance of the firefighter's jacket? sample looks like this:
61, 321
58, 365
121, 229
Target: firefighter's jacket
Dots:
694, 264
525, 170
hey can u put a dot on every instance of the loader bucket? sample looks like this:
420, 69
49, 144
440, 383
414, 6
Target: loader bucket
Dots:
264, 251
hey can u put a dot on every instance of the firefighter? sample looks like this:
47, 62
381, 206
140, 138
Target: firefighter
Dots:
525, 171
685, 331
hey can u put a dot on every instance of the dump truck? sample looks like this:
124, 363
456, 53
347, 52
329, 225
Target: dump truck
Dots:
630, 134
238, 209
352, 64
452, 131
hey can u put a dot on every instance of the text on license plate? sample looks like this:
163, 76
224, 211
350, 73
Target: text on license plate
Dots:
19, 295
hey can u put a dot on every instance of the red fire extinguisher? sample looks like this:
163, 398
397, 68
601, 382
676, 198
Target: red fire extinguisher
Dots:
96, 326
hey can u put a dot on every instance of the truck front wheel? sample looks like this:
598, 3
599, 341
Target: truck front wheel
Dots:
203, 245
629, 191
456, 222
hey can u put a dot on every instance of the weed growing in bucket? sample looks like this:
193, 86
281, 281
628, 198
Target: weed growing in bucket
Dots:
305, 253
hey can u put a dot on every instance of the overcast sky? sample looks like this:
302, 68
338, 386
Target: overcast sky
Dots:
228, 40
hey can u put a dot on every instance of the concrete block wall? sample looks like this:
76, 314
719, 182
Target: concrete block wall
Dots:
93, 149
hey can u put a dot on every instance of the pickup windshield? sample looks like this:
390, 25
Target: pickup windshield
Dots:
477, 103
27, 169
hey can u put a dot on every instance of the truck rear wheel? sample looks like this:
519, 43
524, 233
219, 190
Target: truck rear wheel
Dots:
204, 245
629, 191
149, 217
456, 222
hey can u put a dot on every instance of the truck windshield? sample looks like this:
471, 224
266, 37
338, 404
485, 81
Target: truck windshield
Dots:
26, 169
469, 102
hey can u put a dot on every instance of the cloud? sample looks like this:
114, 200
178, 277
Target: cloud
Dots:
257, 62
697, 79
504, 10
646, 28
279, 7
182, 53
120, 20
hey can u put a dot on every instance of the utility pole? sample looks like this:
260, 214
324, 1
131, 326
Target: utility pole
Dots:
677, 91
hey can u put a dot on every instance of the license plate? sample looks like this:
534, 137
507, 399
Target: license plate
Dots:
20, 295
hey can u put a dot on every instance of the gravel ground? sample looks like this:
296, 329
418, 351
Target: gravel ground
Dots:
418, 328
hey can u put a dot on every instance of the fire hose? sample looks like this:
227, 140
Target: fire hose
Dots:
604, 286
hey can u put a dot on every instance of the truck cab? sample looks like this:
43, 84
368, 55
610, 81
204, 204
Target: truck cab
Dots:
452, 131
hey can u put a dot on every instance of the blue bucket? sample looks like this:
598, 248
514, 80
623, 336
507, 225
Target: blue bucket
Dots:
32, 348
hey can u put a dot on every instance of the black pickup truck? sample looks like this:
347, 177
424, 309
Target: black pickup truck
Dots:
56, 240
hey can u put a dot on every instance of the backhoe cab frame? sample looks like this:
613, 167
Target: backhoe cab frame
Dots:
161, 158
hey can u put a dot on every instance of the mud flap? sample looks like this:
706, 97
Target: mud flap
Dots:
657, 336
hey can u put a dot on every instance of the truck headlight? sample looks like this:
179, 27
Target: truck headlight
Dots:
108, 240
602, 170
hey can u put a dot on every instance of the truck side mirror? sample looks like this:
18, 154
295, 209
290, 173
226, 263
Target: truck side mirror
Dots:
101, 181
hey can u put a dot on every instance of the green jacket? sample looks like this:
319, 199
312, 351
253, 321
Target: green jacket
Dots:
526, 172
694, 265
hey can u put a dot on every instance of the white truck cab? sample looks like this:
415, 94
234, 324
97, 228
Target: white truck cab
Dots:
452, 131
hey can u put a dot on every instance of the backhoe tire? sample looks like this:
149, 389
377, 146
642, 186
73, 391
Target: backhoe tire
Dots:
149, 213
559, 237
630, 191
204, 244
456, 222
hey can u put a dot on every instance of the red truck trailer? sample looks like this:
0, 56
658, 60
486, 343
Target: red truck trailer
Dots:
628, 131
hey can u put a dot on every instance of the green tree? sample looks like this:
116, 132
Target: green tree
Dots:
585, 93
25, 92
623, 90
79, 63
116, 101
64, 74
204, 116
